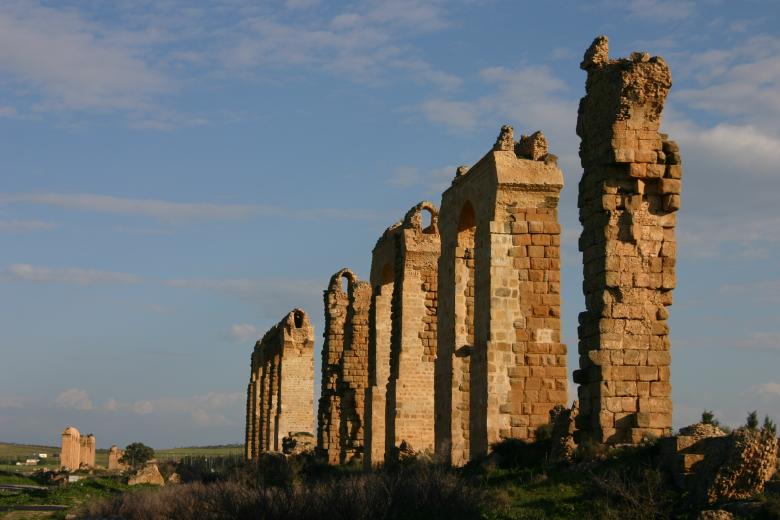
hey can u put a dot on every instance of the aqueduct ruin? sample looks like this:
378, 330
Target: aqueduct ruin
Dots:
455, 342
282, 365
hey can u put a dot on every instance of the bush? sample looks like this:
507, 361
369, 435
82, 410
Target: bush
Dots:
517, 453
415, 491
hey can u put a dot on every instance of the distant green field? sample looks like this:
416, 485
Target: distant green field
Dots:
10, 453
203, 451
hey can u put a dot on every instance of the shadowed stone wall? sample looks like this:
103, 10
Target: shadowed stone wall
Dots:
500, 366
341, 415
279, 397
628, 198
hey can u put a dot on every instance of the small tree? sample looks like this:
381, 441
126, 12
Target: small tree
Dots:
769, 426
136, 454
752, 421
708, 417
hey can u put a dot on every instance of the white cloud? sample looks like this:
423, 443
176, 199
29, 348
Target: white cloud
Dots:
26, 225
244, 332
362, 42
175, 211
75, 63
740, 81
74, 398
531, 95
203, 410
768, 390
142, 407
70, 275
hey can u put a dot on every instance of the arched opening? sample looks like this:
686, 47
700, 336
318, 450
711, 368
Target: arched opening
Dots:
298, 319
428, 221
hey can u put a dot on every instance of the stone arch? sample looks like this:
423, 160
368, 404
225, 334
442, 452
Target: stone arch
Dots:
414, 218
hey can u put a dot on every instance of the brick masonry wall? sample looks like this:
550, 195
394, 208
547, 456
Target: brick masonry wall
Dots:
500, 366
278, 396
628, 198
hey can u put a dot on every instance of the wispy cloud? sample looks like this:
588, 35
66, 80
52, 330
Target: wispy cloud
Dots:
210, 409
244, 332
73, 62
74, 398
69, 275
768, 390
26, 225
170, 211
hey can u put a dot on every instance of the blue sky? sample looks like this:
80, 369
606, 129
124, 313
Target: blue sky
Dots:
176, 177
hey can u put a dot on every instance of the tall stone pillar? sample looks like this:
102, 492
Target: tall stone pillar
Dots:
628, 197
500, 365
87, 448
70, 452
382, 279
341, 415
410, 388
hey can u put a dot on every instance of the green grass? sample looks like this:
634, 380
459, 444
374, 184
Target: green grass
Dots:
200, 451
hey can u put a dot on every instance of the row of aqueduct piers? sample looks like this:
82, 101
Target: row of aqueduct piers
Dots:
455, 341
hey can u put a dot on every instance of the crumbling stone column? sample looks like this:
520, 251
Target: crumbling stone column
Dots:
500, 366
282, 365
628, 198
114, 456
87, 448
341, 416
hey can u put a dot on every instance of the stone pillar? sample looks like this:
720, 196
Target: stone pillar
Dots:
328, 415
628, 198
383, 259
70, 452
282, 364
410, 389
500, 366
341, 415
87, 448
354, 374
114, 454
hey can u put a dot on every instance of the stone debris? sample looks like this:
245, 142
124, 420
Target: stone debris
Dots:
77, 451
148, 474
297, 443
628, 196
277, 397
715, 467
562, 443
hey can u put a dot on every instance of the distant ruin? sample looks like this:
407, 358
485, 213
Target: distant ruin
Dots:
77, 451
279, 394
114, 459
628, 198
455, 342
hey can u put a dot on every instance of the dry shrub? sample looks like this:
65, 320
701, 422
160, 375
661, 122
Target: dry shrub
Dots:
416, 492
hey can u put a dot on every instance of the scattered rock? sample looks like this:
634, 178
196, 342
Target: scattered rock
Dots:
715, 514
296, 443
562, 436
149, 474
